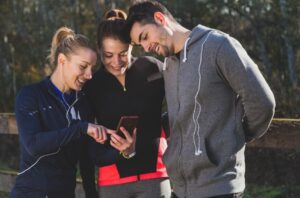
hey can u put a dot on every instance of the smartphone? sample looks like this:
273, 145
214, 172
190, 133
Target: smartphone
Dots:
129, 123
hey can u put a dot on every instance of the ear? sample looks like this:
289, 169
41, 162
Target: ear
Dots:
61, 59
160, 18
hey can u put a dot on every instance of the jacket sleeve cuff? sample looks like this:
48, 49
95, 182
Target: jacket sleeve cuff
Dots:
82, 126
85, 126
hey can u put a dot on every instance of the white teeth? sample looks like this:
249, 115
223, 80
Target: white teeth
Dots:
155, 48
118, 68
81, 81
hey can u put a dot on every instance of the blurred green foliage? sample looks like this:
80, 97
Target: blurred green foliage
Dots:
268, 29
255, 191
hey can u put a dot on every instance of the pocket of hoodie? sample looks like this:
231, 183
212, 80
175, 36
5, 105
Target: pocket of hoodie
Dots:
208, 155
170, 160
211, 158
195, 166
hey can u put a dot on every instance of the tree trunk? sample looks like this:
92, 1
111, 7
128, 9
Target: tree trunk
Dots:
98, 11
262, 46
263, 52
289, 48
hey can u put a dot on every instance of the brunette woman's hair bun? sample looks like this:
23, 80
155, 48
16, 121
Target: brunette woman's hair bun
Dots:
115, 14
112, 27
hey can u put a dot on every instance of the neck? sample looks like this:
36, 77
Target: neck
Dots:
57, 80
179, 37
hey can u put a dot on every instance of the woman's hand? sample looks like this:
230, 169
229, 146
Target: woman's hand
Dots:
127, 145
98, 132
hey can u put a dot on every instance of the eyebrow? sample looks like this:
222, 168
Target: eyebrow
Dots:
85, 62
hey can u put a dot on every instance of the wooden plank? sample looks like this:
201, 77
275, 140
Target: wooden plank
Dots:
282, 134
8, 123
6, 181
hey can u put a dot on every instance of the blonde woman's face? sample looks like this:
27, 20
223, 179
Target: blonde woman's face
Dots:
78, 68
115, 56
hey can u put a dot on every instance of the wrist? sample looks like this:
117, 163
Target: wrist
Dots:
85, 128
128, 156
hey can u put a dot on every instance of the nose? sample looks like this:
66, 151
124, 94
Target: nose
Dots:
145, 46
116, 60
88, 74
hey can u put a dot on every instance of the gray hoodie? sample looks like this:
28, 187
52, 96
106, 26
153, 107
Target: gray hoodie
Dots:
217, 101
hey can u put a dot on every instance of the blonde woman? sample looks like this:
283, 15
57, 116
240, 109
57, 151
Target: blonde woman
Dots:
52, 122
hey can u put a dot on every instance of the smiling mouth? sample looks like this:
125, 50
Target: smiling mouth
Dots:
81, 82
117, 68
155, 48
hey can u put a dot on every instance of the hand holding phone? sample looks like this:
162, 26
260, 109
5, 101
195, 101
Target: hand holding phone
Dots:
125, 137
129, 123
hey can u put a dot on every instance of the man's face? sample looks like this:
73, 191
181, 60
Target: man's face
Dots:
153, 38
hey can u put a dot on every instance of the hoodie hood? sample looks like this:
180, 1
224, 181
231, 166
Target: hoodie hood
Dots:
197, 33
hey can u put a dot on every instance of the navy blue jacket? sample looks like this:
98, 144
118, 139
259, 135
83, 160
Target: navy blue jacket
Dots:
52, 140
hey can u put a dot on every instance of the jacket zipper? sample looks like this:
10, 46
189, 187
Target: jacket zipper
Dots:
180, 169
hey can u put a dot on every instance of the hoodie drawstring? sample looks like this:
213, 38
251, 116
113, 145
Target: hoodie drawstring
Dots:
184, 50
196, 133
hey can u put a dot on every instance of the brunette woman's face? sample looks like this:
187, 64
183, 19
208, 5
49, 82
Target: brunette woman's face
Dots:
115, 56
77, 68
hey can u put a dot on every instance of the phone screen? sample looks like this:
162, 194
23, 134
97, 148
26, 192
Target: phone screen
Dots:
129, 123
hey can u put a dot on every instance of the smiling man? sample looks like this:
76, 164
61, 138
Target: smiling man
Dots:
217, 101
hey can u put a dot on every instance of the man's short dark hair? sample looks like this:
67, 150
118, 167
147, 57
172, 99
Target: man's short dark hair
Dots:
143, 12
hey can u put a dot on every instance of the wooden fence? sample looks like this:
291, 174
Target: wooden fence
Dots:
283, 134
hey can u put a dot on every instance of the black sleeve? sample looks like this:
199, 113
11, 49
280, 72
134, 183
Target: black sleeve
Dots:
155, 62
165, 123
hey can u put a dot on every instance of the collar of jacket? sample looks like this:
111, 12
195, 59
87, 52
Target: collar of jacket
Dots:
49, 87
